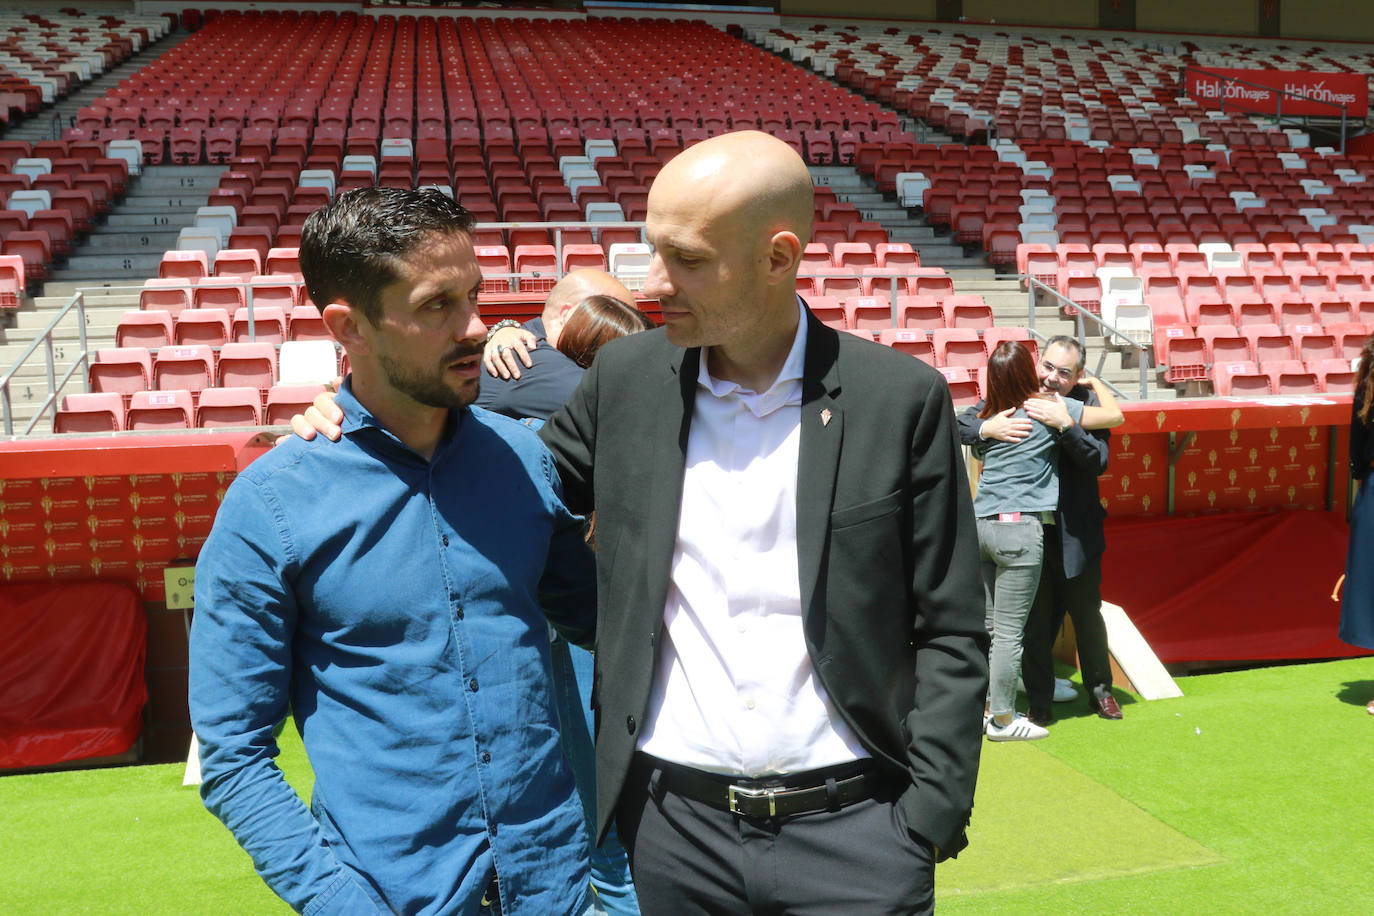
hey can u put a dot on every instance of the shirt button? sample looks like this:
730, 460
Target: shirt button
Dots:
458, 611
740, 626
491, 828
630, 724
446, 540
486, 756
472, 685
749, 703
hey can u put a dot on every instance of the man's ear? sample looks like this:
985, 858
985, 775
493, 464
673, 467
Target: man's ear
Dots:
784, 257
343, 322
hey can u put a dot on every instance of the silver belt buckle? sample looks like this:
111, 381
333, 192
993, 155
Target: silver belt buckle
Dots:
734, 792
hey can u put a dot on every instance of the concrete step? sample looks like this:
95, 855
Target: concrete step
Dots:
132, 266
130, 242
176, 204
57, 292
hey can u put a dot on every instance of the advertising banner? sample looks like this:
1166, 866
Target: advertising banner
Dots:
1316, 94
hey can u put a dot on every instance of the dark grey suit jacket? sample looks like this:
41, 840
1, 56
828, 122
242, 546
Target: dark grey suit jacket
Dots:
892, 601
1082, 459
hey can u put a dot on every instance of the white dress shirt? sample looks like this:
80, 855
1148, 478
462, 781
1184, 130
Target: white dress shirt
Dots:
734, 688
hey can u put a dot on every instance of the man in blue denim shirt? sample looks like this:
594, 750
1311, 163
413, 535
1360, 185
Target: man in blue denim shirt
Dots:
402, 630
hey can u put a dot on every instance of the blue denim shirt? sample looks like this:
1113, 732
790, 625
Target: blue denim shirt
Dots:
393, 605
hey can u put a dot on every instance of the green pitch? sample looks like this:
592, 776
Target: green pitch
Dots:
1245, 796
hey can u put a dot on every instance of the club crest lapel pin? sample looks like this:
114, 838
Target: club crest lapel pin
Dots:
825, 417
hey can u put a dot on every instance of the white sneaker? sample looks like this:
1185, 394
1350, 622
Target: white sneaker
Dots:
1018, 729
1064, 691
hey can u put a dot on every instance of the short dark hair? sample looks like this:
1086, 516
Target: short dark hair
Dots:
350, 246
1063, 340
595, 321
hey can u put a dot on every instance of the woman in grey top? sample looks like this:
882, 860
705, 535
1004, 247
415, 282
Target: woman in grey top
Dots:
1018, 488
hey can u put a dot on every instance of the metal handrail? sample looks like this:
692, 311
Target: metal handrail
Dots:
77, 301
1032, 285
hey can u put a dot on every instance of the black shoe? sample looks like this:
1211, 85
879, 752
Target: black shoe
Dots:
1040, 715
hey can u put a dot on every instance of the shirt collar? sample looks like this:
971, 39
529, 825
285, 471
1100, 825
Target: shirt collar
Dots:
358, 418
786, 388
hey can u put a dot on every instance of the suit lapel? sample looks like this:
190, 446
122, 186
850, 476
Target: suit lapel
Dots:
822, 432
664, 504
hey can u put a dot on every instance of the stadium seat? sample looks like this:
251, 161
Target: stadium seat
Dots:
164, 409
829, 311
284, 262
868, 313
188, 368
960, 347
12, 285
121, 371
311, 362
248, 365
221, 407
95, 412
150, 328
285, 401
994, 336
268, 324
225, 293
171, 295
306, 324
911, 341
188, 265
237, 263
203, 327
1225, 344
1239, 379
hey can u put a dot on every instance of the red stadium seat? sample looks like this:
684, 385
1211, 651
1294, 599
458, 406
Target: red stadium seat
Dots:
248, 365
1240, 379
284, 401
122, 371
165, 409
95, 412
186, 368
221, 407
959, 347
150, 328
911, 341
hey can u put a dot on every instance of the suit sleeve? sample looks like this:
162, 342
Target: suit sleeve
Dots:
567, 590
1086, 449
570, 435
970, 423
951, 642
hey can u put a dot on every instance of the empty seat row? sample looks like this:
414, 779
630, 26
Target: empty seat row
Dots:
176, 409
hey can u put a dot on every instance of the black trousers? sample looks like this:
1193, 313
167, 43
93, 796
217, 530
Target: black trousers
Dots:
688, 857
1079, 597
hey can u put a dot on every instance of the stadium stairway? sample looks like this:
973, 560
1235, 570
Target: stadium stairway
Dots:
972, 274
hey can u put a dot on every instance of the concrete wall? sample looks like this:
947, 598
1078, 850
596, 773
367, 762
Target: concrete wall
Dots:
1225, 17
870, 9
1326, 19
1074, 13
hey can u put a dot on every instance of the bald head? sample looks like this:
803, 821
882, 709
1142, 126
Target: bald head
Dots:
752, 180
578, 285
572, 289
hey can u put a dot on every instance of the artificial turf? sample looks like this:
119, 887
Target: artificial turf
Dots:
1244, 796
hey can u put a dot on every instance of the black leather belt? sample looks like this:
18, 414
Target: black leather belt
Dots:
828, 789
